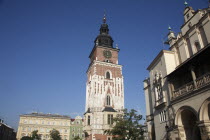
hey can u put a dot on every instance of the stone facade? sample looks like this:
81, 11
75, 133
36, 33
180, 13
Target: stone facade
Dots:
177, 92
43, 123
104, 87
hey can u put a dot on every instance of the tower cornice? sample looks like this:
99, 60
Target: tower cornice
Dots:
95, 62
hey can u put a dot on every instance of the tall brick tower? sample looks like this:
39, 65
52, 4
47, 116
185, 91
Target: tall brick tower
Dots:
104, 87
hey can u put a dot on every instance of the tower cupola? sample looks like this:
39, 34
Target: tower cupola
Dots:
104, 39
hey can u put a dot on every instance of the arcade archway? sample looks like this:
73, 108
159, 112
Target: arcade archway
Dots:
186, 120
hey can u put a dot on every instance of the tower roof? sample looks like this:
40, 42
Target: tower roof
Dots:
104, 39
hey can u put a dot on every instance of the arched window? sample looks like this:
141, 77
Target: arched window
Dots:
108, 100
108, 76
197, 46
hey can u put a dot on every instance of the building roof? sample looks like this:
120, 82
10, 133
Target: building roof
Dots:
45, 115
109, 109
88, 111
157, 58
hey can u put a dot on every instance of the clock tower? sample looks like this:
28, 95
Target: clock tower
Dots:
104, 86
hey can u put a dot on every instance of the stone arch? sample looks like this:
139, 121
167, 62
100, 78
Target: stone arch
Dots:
204, 115
204, 112
186, 120
178, 113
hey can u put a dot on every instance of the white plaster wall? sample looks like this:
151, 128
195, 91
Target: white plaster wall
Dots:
170, 62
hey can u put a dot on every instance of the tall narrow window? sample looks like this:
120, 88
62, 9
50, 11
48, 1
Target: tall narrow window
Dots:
110, 119
197, 46
203, 36
88, 120
179, 55
108, 100
162, 116
189, 46
108, 75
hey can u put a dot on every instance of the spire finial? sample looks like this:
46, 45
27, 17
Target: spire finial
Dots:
185, 3
104, 19
169, 27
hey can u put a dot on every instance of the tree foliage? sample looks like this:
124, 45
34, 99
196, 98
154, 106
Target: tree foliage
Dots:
35, 135
127, 126
77, 138
55, 134
26, 138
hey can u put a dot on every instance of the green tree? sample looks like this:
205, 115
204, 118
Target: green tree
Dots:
127, 126
35, 135
77, 138
55, 134
26, 138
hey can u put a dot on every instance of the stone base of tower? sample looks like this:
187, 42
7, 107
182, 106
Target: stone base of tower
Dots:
98, 137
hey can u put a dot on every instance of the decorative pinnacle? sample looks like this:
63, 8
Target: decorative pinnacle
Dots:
116, 46
185, 3
169, 28
104, 19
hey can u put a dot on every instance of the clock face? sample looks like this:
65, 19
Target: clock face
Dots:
107, 54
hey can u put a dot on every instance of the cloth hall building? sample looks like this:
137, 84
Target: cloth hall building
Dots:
177, 92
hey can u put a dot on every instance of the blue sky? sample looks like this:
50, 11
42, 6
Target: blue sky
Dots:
45, 44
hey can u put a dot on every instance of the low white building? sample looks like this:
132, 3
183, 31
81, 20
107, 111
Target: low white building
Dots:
44, 123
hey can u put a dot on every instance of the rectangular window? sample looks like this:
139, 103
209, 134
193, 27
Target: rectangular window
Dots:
162, 116
110, 119
88, 120
29, 129
187, 16
42, 129
179, 55
189, 46
109, 138
25, 121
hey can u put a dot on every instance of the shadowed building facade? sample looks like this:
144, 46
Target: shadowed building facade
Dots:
177, 91
104, 86
6, 132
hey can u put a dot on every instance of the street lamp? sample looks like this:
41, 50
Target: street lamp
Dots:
167, 129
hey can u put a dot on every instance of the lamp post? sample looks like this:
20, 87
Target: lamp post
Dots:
167, 128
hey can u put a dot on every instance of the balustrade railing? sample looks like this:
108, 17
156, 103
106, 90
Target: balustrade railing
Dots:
189, 87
